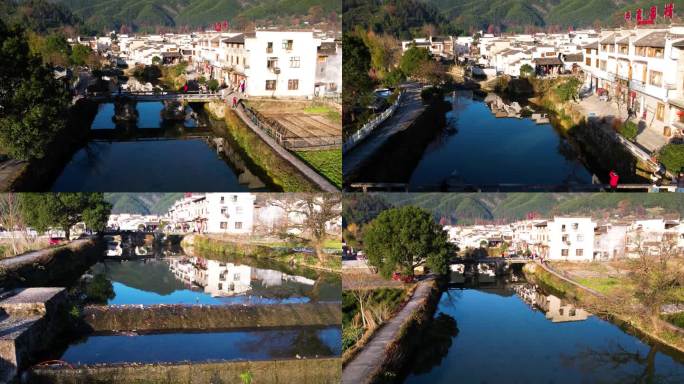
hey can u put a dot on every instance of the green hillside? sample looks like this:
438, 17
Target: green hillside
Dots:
405, 18
142, 203
38, 15
466, 208
146, 14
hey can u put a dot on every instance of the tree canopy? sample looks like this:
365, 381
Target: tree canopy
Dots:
355, 66
42, 211
33, 105
405, 238
413, 60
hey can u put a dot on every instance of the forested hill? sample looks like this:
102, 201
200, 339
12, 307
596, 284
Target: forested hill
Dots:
38, 15
190, 14
142, 203
404, 18
463, 208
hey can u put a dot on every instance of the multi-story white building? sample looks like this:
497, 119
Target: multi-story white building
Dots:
571, 239
281, 64
230, 213
645, 68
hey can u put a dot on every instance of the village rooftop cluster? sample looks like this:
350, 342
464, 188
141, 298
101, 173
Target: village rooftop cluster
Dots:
273, 63
573, 238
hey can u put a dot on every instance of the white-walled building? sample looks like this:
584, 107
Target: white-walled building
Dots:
281, 64
571, 239
230, 213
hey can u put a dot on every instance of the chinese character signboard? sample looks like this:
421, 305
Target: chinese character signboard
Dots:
650, 18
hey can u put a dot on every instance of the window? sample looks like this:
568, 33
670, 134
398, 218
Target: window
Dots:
564, 238
579, 252
587, 62
223, 211
603, 65
272, 62
564, 252
238, 225
235, 197
660, 112
580, 237
220, 286
656, 52
269, 47
641, 51
563, 227
270, 85
287, 44
624, 49
656, 78
223, 199
224, 225
294, 62
293, 85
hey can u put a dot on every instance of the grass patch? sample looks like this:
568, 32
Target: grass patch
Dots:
676, 319
604, 285
325, 110
277, 169
389, 299
327, 162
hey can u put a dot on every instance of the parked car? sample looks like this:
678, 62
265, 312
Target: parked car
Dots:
57, 241
396, 276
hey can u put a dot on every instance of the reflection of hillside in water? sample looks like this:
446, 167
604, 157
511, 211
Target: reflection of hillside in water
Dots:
554, 307
150, 275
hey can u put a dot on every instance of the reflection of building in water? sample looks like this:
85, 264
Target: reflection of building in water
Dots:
553, 306
222, 279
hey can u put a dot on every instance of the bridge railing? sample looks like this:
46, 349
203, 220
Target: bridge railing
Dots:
370, 126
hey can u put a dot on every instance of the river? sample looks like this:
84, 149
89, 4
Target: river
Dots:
477, 148
153, 154
516, 333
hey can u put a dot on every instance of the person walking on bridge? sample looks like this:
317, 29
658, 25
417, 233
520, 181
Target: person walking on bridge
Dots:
235, 102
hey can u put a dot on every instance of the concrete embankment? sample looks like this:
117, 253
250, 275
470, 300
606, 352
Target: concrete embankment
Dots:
217, 317
595, 301
394, 343
51, 266
309, 371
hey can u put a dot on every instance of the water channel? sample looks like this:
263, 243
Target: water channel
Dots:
478, 148
513, 332
234, 345
151, 153
164, 275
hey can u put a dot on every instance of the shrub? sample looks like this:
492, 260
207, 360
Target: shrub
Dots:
629, 130
430, 94
672, 156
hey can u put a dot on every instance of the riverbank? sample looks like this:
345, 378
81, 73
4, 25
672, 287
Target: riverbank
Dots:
595, 301
594, 138
38, 174
285, 176
246, 247
52, 266
394, 343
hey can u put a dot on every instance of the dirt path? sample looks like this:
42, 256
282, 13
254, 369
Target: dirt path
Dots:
367, 362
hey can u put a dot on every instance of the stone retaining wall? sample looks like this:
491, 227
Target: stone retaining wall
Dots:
207, 317
50, 267
309, 371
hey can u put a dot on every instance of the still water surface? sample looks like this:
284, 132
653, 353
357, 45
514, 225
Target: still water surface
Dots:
234, 345
481, 149
503, 338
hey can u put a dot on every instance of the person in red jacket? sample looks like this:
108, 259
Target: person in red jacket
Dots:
614, 179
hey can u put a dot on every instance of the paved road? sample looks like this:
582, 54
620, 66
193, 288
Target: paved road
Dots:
409, 109
372, 356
